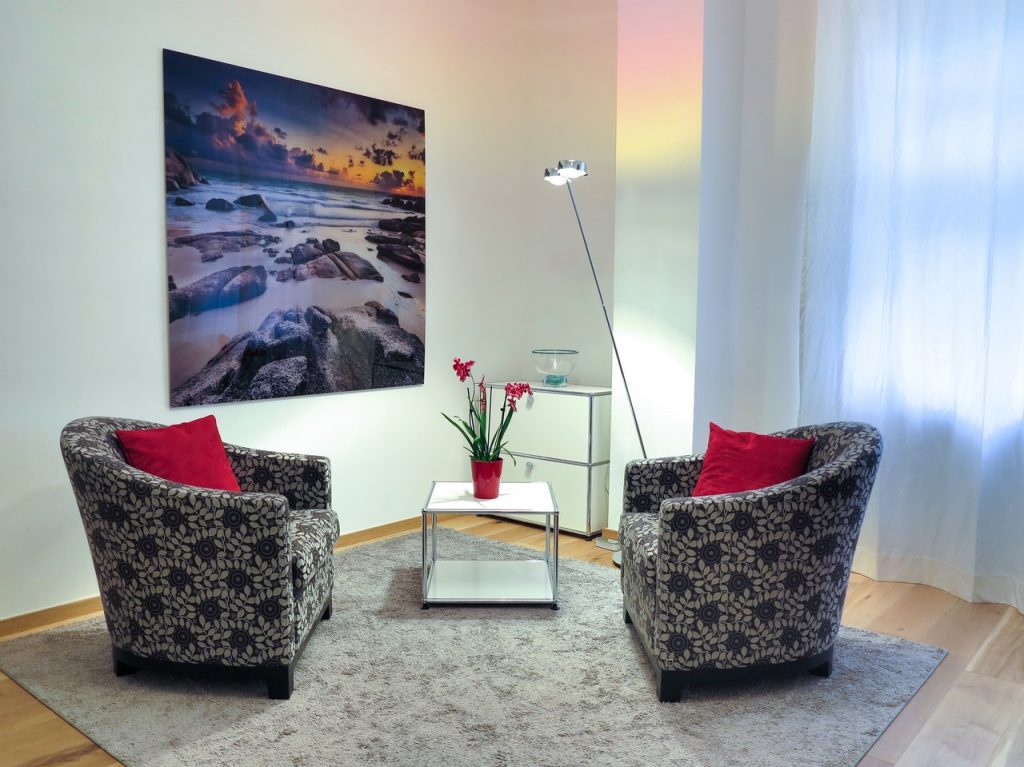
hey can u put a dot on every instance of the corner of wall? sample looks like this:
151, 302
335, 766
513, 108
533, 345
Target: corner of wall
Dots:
658, 146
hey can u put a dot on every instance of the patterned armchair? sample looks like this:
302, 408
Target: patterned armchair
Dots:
228, 583
717, 585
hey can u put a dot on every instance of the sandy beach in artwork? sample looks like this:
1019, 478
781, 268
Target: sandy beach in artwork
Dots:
344, 216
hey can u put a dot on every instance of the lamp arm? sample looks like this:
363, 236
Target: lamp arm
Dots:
607, 319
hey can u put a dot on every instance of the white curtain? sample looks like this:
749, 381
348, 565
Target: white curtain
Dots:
913, 302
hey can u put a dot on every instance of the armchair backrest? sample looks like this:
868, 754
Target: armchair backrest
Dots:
841, 444
93, 439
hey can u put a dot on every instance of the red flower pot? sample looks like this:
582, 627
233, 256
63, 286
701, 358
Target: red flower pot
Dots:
486, 477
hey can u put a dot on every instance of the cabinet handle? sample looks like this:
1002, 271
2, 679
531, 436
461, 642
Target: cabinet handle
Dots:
529, 468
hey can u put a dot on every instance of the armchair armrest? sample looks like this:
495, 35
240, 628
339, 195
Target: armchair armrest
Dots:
305, 480
651, 481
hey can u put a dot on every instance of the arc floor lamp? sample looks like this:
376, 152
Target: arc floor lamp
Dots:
564, 174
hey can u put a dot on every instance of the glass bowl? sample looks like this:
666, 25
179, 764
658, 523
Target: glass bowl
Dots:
555, 365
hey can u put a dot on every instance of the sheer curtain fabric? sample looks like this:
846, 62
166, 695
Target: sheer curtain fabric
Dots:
913, 301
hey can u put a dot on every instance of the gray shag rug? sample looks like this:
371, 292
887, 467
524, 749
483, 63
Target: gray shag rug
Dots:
386, 683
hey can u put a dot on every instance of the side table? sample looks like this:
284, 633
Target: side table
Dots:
460, 581
562, 437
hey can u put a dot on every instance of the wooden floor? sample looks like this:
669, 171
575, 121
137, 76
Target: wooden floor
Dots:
970, 712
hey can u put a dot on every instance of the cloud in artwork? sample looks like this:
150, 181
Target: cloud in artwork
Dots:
374, 111
380, 155
248, 141
277, 152
232, 133
302, 159
220, 123
235, 106
175, 111
213, 125
391, 180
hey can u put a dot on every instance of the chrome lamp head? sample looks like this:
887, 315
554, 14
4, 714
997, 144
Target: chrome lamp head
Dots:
552, 177
565, 171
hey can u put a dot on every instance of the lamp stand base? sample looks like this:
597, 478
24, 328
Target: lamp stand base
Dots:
611, 544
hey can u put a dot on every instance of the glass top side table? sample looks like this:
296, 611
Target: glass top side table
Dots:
460, 581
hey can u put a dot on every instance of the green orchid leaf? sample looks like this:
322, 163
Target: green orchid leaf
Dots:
463, 428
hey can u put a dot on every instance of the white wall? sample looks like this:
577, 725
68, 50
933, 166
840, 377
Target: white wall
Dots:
658, 145
758, 88
571, 116
83, 325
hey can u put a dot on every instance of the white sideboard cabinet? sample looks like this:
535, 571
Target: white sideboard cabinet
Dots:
561, 435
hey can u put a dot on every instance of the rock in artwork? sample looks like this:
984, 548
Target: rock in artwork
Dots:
296, 229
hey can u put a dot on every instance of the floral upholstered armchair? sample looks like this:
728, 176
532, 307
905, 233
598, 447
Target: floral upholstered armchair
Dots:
223, 582
719, 585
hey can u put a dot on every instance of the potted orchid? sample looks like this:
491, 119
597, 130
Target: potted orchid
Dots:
485, 440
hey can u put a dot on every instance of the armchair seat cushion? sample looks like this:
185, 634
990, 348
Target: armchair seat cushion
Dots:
313, 533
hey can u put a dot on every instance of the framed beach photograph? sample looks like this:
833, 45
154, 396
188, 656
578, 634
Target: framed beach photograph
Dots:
296, 236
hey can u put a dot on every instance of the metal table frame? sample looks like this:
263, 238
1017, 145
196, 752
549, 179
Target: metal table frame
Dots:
448, 581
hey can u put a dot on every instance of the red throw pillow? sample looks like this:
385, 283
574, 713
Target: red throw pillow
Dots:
191, 453
741, 460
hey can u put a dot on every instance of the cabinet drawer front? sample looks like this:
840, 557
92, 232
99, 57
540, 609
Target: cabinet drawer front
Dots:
553, 425
574, 487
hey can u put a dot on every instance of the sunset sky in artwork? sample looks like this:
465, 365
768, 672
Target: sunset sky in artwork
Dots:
232, 120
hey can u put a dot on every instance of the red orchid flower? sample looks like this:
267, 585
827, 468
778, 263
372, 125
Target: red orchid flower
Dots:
484, 434
462, 368
515, 391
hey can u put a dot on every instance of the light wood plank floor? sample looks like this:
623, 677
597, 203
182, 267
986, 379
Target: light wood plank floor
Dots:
970, 712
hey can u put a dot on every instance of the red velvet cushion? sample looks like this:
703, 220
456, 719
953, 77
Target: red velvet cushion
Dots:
741, 460
191, 453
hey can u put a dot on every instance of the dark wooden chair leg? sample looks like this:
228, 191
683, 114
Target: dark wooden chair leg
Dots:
328, 610
280, 682
825, 669
670, 686
121, 668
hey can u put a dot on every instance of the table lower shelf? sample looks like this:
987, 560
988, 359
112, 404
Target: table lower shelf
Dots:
454, 581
